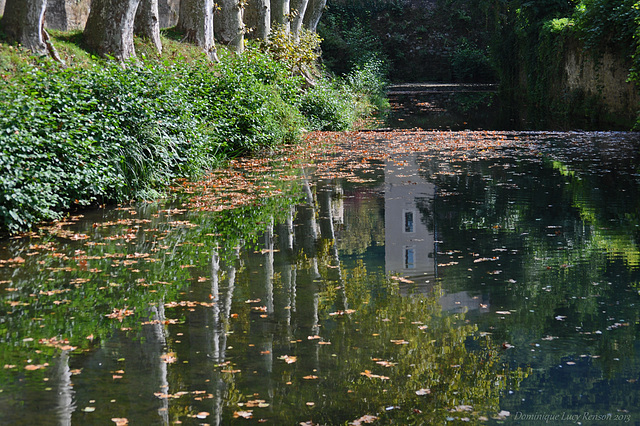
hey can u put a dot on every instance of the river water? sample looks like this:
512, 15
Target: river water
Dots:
393, 278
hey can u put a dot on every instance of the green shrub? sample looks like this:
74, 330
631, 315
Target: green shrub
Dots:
327, 107
471, 64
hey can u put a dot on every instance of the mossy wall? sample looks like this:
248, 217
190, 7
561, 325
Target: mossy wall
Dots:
603, 79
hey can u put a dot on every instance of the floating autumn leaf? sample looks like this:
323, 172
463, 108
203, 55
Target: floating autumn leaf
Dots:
313, 337
311, 377
340, 313
33, 367
119, 314
120, 421
202, 415
422, 392
257, 403
288, 359
169, 358
400, 342
386, 363
244, 414
401, 279
368, 373
367, 418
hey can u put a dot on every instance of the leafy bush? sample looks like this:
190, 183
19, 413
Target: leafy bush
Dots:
298, 55
81, 136
370, 80
471, 64
327, 107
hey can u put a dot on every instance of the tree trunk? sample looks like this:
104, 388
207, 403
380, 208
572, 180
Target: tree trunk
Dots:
109, 29
314, 13
281, 14
264, 19
298, 10
230, 25
196, 21
147, 22
23, 22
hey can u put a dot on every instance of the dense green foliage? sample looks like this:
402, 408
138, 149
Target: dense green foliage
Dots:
102, 133
415, 41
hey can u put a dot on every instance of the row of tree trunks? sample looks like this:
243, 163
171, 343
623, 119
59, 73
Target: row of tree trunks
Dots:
111, 23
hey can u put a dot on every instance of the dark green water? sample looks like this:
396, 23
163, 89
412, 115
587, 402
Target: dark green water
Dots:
486, 285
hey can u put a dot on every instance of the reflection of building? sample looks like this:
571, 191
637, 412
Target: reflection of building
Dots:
410, 243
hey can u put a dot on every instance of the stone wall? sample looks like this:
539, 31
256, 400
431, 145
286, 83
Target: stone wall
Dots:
604, 79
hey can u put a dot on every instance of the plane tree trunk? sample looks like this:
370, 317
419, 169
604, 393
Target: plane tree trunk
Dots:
315, 9
110, 27
23, 22
280, 13
196, 21
298, 10
147, 23
230, 24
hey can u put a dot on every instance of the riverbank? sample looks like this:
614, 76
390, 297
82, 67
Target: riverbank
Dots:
95, 132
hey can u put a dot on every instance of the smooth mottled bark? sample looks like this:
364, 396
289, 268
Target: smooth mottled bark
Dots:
23, 22
109, 29
196, 21
229, 24
169, 10
280, 14
298, 10
315, 9
147, 22
264, 19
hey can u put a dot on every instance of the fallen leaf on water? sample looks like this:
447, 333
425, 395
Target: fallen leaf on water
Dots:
202, 415
244, 414
422, 392
400, 342
288, 359
368, 373
312, 377
367, 418
168, 358
402, 280
120, 421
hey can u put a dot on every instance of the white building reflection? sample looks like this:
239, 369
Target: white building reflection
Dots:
411, 246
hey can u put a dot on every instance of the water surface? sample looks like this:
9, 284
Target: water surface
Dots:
400, 278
